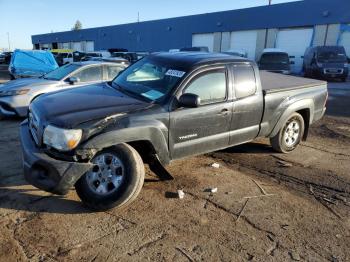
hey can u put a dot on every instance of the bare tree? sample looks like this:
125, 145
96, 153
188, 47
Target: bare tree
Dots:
77, 25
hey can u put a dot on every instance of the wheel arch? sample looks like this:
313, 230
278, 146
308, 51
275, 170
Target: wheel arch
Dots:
304, 107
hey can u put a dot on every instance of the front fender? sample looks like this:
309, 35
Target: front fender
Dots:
296, 106
150, 133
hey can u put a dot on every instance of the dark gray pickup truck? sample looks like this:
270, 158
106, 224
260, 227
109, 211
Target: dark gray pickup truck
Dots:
164, 107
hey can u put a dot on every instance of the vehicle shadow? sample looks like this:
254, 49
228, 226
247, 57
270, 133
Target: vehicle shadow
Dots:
250, 148
28, 200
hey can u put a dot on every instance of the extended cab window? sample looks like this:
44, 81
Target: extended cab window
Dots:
244, 80
209, 86
90, 74
113, 71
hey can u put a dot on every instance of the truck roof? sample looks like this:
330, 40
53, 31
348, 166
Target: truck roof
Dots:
192, 59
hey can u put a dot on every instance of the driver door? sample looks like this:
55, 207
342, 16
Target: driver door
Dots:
205, 128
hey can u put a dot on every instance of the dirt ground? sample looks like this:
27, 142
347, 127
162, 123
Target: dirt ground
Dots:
269, 206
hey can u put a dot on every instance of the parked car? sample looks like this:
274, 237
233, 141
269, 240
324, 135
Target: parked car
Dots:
132, 57
164, 107
117, 60
236, 52
195, 49
103, 54
16, 95
31, 63
275, 60
5, 57
326, 62
64, 57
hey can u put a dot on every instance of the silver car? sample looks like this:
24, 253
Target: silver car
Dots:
16, 95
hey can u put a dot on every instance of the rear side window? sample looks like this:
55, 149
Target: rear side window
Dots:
209, 86
112, 71
90, 74
244, 80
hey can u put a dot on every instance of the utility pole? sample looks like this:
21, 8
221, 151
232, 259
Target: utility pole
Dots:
270, 1
8, 40
138, 17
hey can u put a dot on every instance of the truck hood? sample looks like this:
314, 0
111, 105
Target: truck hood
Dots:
25, 83
72, 107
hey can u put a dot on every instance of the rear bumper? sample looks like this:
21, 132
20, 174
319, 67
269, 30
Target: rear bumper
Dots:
45, 172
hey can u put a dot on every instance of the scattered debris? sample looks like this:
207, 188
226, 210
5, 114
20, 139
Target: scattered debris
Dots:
229, 192
241, 212
183, 252
214, 190
260, 187
284, 163
267, 195
341, 198
338, 236
285, 226
294, 255
180, 194
331, 201
211, 190
215, 165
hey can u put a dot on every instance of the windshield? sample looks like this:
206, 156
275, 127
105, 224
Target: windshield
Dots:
149, 79
61, 72
274, 58
331, 56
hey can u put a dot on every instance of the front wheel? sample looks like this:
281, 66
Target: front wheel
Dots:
290, 135
115, 179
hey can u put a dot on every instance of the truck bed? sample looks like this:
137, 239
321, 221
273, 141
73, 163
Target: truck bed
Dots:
273, 82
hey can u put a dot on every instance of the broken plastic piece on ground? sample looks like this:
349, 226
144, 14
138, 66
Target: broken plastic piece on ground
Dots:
215, 165
211, 190
181, 194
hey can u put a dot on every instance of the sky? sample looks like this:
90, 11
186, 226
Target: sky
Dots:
19, 19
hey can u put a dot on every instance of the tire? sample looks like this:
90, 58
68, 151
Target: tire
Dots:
287, 139
91, 188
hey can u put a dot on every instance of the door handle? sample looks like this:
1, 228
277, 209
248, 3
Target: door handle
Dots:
224, 112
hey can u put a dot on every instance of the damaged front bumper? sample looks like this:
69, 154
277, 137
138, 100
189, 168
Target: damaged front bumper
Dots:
45, 172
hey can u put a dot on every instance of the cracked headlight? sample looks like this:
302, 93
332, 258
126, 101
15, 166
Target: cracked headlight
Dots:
62, 139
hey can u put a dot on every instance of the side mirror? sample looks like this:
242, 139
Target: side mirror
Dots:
73, 80
189, 100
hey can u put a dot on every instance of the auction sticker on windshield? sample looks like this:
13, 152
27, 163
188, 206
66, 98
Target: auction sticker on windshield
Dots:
176, 73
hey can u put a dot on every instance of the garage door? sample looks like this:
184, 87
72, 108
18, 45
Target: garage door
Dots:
244, 40
345, 41
77, 46
295, 42
90, 46
203, 40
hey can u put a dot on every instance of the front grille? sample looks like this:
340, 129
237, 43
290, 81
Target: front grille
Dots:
333, 71
34, 126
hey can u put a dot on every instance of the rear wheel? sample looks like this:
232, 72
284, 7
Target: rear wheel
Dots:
290, 135
115, 179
